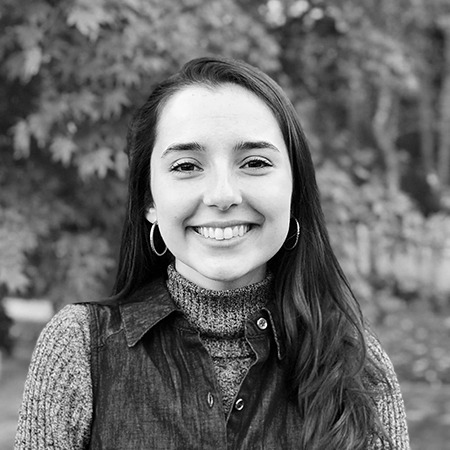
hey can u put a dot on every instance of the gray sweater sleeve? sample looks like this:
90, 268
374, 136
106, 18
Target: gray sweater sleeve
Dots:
389, 403
56, 410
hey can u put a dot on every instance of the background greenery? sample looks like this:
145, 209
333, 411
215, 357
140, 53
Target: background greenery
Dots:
370, 80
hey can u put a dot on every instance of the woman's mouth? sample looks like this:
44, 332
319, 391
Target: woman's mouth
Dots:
220, 234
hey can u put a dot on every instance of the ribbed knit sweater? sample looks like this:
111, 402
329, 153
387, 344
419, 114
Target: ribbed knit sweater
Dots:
57, 404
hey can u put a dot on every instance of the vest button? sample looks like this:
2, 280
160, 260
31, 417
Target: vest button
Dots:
262, 323
210, 400
239, 405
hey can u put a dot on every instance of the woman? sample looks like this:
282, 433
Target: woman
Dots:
231, 324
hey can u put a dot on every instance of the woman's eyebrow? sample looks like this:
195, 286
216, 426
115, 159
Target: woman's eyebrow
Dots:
182, 146
255, 145
241, 146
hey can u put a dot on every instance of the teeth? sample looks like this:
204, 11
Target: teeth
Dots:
221, 234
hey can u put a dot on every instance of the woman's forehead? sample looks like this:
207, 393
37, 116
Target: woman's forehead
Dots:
197, 111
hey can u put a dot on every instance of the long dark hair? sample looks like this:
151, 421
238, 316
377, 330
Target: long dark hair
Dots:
322, 322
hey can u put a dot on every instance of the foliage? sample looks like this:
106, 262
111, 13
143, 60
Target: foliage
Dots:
85, 66
93, 61
364, 79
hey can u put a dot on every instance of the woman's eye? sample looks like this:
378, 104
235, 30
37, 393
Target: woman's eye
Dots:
184, 166
257, 163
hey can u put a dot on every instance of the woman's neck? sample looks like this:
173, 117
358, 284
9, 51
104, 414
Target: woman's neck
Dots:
218, 313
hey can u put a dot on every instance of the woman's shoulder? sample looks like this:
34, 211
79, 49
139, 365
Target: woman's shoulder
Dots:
381, 372
76, 314
73, 317
57, 399
375, 350
63, 348
67, 332
374, 346
388, 398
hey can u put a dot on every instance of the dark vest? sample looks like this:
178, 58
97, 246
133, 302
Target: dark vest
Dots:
155, 387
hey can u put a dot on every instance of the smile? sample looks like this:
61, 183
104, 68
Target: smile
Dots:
220, 234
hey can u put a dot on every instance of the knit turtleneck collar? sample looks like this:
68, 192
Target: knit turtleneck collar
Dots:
221, 314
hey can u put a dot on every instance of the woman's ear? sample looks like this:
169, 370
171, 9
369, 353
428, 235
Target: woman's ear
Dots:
151, 214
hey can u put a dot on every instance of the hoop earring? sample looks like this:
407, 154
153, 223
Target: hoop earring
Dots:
152, 240
297, 235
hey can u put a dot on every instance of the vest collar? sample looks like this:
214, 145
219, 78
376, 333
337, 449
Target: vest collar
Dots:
152, 303
144, 309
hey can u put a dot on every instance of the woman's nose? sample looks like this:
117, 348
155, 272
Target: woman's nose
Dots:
222, 192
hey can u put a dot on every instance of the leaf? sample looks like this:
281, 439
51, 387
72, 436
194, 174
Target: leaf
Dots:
13, 278
32, 63
21, 139
62, 150
113, 103
16, 239
28, 36
87, 261
88, 17
39, 124
121, 164
128, 78
84, 103
86, 23
97, 163
25, 63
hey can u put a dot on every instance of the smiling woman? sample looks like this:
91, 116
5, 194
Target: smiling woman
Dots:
231, 324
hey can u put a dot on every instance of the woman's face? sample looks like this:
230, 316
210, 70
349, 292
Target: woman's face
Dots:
221, 183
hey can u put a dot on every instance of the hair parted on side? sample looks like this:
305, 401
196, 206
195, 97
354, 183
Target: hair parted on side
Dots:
323, 327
